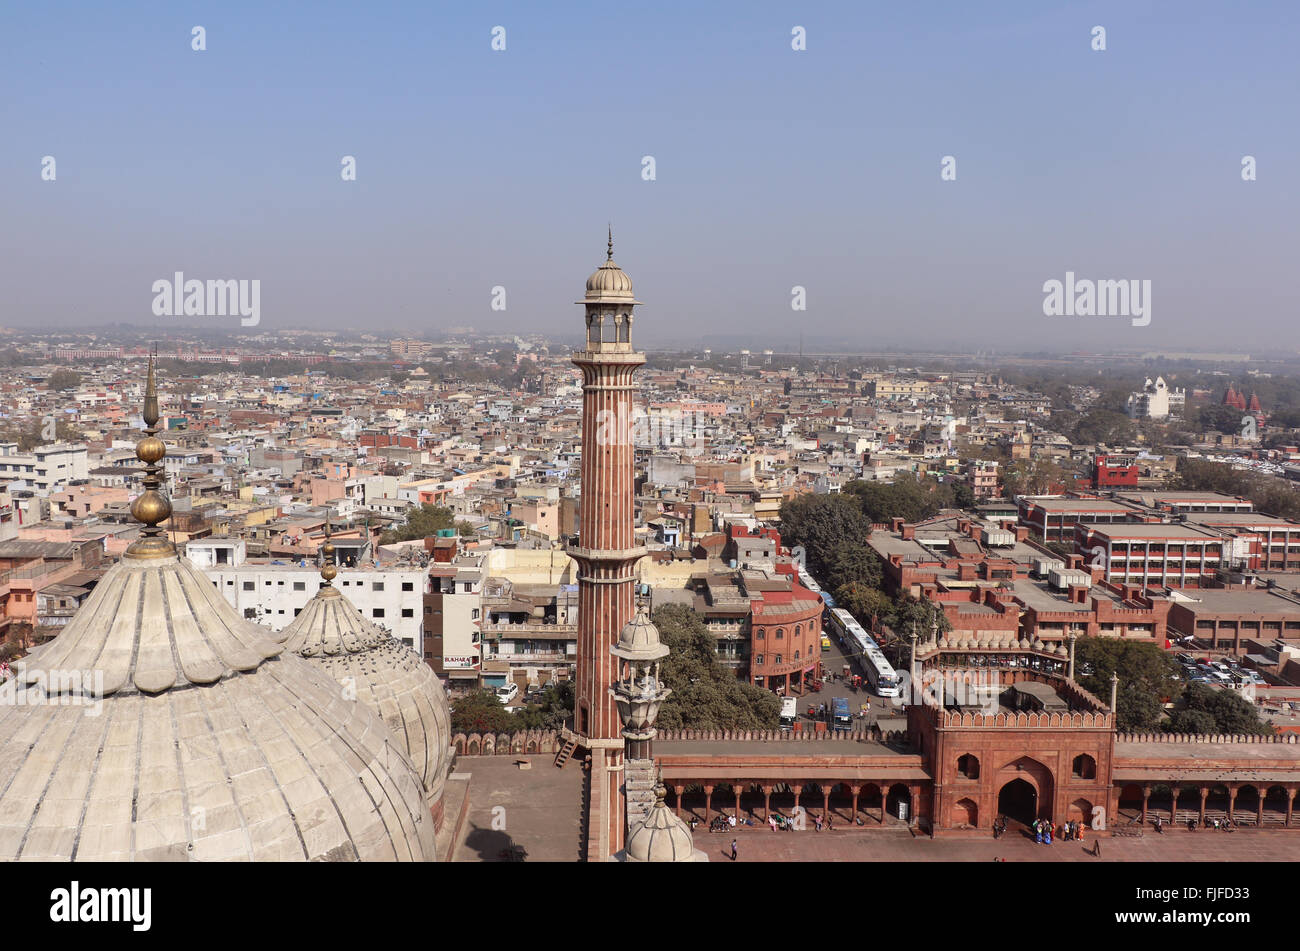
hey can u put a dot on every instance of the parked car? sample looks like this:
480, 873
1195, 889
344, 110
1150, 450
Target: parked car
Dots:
508, 692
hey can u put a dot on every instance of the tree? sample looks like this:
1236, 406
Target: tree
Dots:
963, 496
706, 695
853, 563
1221, 419
910, 498
481, 712
1101, 425
1230, 712
1148, 676
865, 602
63, 380
551, 710
1191, 721
1137, 709
920, 615
422, 522
822, 524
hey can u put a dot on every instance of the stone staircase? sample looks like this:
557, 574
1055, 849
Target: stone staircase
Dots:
639, 785
566, 751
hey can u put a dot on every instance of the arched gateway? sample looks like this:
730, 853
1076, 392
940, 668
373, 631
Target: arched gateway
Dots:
1018, 801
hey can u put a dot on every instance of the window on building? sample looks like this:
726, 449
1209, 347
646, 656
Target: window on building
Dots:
377, 586
408, 612
778, 658
248, 586
758, 659
968, 766
300, 586
408, 586
377, 612
1085, 767
780, 633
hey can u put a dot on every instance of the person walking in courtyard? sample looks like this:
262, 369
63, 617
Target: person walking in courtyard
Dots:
733, 850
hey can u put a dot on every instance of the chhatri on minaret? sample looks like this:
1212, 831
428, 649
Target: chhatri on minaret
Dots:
606, 551
160, 725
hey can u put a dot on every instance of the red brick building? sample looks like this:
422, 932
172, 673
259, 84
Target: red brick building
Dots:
1114, 472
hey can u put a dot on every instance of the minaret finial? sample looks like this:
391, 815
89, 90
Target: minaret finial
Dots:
609, 253
151, 507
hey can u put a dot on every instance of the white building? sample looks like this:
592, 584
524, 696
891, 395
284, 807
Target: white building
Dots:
274, 594
45, 469
1156, 400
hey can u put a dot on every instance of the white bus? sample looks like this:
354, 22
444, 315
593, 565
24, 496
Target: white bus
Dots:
880, 675
884, 681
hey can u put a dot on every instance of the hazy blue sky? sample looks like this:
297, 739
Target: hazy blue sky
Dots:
819, 168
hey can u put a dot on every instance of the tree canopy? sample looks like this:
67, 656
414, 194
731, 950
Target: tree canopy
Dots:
1207, 710
422, 522
907, 497
823, 525
706, 695
1148, 678
1270, 495
481, 712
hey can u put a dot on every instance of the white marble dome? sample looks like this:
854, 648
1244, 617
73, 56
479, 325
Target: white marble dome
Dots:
207, 744
387, 676
661, 837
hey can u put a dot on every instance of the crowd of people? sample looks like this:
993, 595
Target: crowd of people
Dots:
1045, 831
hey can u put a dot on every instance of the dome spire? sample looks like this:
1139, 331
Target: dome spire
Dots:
609, 251
151, 507
328, 570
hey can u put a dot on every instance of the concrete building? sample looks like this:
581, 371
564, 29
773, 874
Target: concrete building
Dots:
392, 600
45, 469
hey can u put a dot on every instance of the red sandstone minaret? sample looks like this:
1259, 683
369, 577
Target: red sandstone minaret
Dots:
606, 552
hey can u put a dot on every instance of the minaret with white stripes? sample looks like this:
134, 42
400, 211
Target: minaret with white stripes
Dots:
606, 552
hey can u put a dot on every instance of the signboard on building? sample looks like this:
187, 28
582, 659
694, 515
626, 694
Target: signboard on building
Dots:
449, 663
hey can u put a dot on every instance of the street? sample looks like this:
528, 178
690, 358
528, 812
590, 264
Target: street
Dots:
833, 662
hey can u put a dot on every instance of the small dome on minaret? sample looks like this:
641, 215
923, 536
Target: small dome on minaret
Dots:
609, 282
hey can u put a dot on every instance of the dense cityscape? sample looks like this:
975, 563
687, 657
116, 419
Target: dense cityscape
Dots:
735, 437
818, 531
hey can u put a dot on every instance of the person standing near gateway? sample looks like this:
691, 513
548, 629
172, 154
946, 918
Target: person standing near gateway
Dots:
733, 850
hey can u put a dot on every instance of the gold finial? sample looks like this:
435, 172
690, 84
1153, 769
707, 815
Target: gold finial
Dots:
328, 570
609, 253
151, 507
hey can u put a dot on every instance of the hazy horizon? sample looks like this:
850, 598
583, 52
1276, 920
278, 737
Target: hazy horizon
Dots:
774, 168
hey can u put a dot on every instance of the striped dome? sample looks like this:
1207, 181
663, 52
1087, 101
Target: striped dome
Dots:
383, 674
201, 741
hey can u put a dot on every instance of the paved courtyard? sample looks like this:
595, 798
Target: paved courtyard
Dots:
899, 846
539, 809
